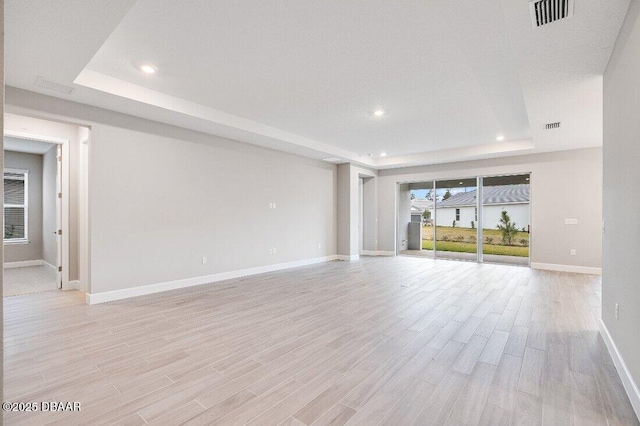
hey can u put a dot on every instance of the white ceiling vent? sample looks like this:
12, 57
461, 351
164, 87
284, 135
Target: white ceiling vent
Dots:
544, 12
550, 126
52, 85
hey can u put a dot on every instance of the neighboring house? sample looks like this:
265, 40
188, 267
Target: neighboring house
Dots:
418, 206
416, 214
462, 207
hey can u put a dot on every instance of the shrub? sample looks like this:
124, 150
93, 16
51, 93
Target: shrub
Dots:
524, 241
488, 240
445, 238
472, 239
507, 228
459, 238
473, 225
454, 224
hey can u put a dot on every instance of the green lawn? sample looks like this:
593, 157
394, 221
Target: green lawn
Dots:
464, 240
472, 248
447, 233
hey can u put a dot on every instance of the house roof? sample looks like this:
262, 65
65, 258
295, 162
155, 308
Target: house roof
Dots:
503, 194
422, 204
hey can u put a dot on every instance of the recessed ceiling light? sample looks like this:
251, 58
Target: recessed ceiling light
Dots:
148, 69
527, 178
378, 113
383, 154
460, 183
500, 138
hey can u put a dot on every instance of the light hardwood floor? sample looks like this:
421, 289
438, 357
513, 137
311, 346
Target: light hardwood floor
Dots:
28, 279
389, 341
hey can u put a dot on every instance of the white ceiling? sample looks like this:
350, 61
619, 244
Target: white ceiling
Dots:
305, 76
26, 145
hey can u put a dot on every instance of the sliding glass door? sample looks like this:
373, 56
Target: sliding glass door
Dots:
479, 219
420, 227
506, 219
456, 219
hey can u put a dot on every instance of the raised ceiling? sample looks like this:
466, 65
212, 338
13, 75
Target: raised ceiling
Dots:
306, 76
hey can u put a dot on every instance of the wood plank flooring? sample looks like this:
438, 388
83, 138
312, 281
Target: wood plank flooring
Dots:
390, 341
28, 279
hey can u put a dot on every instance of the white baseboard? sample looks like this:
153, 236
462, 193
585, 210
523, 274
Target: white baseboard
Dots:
44, 263
75, 285
625, 375
107, 296
24, 264
347, 257
377, 253
27, 263
567, 268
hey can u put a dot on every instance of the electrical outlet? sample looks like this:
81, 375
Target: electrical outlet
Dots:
204, 260
617, 313
573, 252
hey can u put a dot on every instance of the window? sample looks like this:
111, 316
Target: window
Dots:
457, 215
476, 219
16, 210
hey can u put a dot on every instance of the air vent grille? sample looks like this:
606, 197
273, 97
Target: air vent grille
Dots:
52, 85
550, 126
544, 12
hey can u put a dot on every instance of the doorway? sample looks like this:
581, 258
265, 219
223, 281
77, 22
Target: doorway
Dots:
33, 215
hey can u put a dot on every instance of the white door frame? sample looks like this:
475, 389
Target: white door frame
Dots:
360, 215
63, 243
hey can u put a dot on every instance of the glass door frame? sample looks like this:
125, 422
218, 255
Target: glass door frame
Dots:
479, 207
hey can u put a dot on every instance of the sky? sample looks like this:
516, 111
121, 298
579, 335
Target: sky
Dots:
421, 193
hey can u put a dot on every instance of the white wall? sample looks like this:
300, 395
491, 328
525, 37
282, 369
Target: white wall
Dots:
33, 249
49, 214
446, 215
348, 209
621, 268
518, 213
370, 214
345, 200
564, 185
162, 197
404, 217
